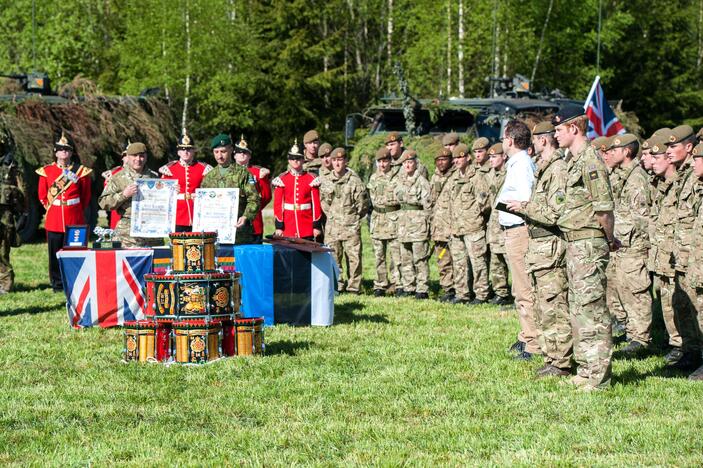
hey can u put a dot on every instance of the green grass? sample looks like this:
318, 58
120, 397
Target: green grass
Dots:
394, 381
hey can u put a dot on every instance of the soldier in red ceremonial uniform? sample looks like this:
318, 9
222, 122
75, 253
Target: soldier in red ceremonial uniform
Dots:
296, 200
242, 156
64, 191
190, 174
114, 215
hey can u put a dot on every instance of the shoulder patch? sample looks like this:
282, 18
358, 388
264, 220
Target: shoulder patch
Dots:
41, 172
315, 182
107, 174
593, 175
560, 196
207, 169
251, 180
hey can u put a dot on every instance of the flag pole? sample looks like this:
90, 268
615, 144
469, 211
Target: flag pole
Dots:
598, 37
590, 93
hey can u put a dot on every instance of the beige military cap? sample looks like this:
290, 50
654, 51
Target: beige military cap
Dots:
450, 139
543, 128
461, 151
136, 148
678, 134
496, 149
618, 141
310, 136
480, 143
443, 153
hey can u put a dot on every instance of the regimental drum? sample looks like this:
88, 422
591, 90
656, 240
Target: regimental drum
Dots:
193, 251
139, 341
163, 341
196, 296
197, 341
249, 336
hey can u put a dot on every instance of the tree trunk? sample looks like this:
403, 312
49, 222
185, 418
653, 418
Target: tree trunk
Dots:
184, 117
449, 48
541, 41
389, 37
460, 48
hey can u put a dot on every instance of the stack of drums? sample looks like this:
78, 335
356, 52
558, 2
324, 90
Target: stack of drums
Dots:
193, 311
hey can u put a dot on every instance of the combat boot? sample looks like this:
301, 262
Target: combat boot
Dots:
478, 301
552, 371
447, 297
458, 300
517, 347
697, 374
501, 300
523, 356
422, 295
379, 292
689, 361
633, 348
673, 356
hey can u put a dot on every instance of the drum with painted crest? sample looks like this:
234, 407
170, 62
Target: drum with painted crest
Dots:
193, 252
248, 336
140, 341
197, 341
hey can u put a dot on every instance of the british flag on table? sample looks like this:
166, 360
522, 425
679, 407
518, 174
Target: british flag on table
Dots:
104, 287
601, 118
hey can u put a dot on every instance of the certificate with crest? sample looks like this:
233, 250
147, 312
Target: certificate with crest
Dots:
216, 210
154, 208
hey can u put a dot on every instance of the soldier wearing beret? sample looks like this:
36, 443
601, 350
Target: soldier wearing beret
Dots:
587, 225
64, 192
345, 202
190, 174
394, 144
470, 204
262, 179
449, 141
311, 143
498, 264
113, 217
384, 224
440, 221
228, 175
119, 192
325, 155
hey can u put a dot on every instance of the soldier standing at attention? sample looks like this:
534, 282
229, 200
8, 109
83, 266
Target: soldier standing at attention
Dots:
13, 204
64, 192
498, 264
114, 218
546, 252
120, 190
468, 209
325, 153
190, 174
228, 175
449, 141
296, 200
440, 222
394, 144
311, 142
587, 224
384, 223
345, 202
631, 279
413, 192
242, 156
479, 148
519, 179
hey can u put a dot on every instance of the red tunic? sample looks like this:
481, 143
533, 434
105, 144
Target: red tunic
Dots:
263, 186
296, 205
114, 215
68, 207
189, 178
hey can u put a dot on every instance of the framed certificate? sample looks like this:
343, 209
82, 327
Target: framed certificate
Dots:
154, 208
216, 210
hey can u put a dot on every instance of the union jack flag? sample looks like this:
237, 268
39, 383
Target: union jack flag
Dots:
601, 118
104, 287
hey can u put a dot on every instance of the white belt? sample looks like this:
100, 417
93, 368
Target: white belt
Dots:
72, 201
297, 207
185, 196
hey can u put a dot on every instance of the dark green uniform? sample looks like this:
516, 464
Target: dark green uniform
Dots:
12, 204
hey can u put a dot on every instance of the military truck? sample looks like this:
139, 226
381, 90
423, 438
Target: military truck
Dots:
32, 116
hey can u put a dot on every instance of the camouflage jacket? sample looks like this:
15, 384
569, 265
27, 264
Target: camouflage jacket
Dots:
587, 191
632, 200
384, 217
236, 176
653, 213
470, 202
494, 233
413, 194
440, 222
695, 260
689, 198
13, 201
664, 225
397, 168
344, 201
313, 165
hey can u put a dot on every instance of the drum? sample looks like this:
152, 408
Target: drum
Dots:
193, 251
197, 341
249, 336
163, 342
228, 338
139, 341
194, 296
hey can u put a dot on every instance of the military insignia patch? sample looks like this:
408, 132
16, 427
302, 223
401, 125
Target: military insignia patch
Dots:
593, 175
560, 196
251, 179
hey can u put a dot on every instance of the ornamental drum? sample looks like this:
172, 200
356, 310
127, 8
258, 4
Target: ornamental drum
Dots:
197, 341
193, 252
139, 341
249, 336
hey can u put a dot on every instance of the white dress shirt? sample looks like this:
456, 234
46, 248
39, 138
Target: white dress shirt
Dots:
520, 175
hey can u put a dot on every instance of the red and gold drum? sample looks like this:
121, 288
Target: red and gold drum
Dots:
197, 341
249, 336
193, 251
139, 341
163, 341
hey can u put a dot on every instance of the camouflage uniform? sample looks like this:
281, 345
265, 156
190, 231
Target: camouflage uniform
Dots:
384, 227
236, 176
588, 191
630, 285
345, 202
440, 227
469, 206
611, 294
413, 194
694, 284
546, 261
397, 167
498, 265
12, 204
113, 199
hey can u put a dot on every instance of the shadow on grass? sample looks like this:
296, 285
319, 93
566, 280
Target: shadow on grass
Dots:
29, 310
287, 347
632, 376
23, 287
344, 313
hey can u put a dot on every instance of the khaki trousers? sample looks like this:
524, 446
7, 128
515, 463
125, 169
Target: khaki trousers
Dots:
516, 240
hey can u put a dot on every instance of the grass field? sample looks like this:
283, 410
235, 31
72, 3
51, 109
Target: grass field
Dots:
394, 381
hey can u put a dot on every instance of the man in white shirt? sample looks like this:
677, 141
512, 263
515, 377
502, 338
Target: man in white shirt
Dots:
520, 175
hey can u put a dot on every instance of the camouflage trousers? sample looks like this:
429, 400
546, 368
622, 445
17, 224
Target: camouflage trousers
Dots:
386, 277
444, 265
498, 272
347, 252
591, 326
7, 274
414, 266
696, 296
685, 315
667, 287
628, 294
551, 309
469, 251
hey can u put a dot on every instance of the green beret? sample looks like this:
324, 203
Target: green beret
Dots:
678, 134
382, 153
496, 149
619, 141
393, 136
450, 139
480, 143
136, 148
443, 153
461, 151
220, 140
543, 128
566, 114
